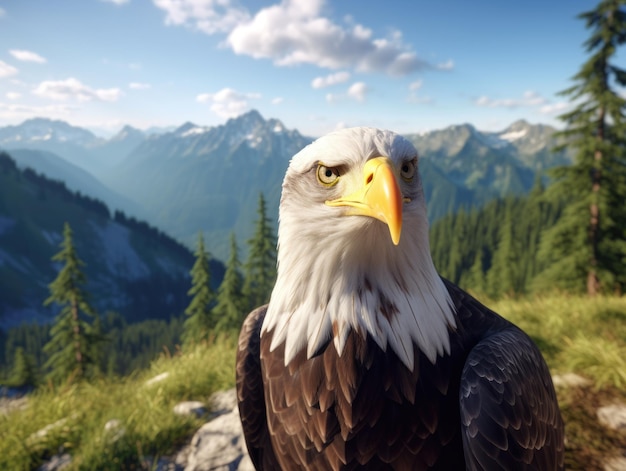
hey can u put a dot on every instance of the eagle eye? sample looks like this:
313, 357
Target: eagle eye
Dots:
327, 176
407, 170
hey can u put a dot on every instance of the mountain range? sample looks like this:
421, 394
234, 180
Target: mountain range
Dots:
207, 179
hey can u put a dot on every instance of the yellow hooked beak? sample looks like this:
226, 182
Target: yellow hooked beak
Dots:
379, 197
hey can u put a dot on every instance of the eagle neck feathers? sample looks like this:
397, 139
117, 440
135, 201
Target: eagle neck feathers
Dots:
393, 294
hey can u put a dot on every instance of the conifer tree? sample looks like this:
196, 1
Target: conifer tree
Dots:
587, 247
474, 279
260, 268
503, 276
71, 346
230, 309
197, 326
24, 371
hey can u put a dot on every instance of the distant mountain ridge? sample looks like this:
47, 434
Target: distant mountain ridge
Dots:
209, 178
76, 179
77, 145
479, 166
196, 178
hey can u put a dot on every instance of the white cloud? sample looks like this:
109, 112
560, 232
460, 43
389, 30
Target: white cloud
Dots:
13, 95
294, 32
329, 80
208, 16
27, 56
2, 12
139, 86
332, 98
414, 97
414, 86
228, 103
530, 98
117, 2
555, 108
358, 90
17, 111
278, 100
73, 88
448, 65
7, 70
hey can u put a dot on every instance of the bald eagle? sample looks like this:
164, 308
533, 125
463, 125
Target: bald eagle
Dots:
365, 357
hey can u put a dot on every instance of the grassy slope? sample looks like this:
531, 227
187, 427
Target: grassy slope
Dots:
145, 412
575, 334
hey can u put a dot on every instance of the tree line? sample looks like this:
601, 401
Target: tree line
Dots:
81, 345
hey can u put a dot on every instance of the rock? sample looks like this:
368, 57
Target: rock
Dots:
219, 446
158, 378
613, 416
196, 408
56, 463
223, 402
571, 380
163, 464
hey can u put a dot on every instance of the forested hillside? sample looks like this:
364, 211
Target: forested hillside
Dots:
131, 267
497, 250
108, 343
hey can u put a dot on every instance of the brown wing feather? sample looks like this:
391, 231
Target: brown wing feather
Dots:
361, 409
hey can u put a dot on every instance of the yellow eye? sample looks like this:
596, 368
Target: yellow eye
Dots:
327, 176
407, 171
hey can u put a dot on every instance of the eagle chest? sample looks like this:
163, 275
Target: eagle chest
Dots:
344, 411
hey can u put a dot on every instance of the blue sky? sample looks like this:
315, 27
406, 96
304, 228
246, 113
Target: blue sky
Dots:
315, 65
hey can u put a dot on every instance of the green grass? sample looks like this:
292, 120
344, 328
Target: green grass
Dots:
145, 412
575, 334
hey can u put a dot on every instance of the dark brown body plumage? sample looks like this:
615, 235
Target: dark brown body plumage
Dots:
490, 404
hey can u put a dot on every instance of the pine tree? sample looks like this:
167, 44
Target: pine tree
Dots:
24, 372
71, 345
260, 268
230, 308
587, 247
474, 278
504, 275
197, 326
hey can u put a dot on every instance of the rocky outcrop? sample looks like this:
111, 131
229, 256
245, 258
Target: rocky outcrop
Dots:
613, 416
218, 445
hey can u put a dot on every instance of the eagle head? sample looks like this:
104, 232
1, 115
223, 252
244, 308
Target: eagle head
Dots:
353, 250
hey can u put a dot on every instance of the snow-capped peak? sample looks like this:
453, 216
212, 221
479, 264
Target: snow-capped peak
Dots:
513, 135
194, 131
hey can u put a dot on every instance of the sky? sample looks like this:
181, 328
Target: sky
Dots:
409, 66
